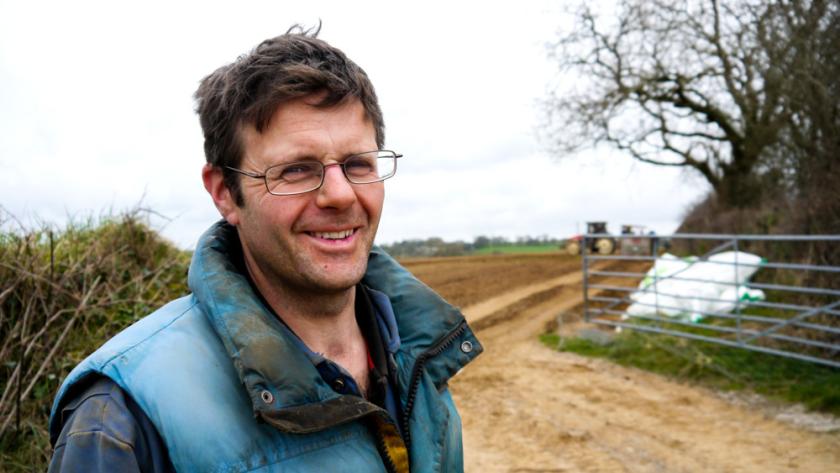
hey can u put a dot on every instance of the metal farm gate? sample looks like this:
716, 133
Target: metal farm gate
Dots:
757, 292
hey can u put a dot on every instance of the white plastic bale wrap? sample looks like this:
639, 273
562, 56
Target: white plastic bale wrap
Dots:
718, 284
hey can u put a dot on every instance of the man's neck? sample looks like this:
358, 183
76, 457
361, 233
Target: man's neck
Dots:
325, 322
315, 317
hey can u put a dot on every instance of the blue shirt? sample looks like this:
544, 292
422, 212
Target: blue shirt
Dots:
105, 431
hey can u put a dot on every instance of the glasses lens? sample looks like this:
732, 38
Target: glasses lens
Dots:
294, 178
370, 167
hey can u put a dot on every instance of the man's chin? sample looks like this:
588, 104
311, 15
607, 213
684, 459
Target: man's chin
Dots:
336, 280
331, 273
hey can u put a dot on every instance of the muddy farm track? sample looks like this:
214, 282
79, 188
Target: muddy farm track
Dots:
526, 408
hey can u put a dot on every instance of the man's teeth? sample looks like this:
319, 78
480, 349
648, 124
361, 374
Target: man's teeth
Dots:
334, 235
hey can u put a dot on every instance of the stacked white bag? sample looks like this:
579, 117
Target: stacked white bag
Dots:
716, 285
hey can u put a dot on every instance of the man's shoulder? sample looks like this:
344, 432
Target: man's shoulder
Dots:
163, 322
152, 354
138, 345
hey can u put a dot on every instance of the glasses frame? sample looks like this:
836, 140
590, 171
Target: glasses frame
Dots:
264, 175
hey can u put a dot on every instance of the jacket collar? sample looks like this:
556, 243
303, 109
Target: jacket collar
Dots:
257, 342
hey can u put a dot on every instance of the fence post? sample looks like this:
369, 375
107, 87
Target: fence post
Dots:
656, 279
738, 333
583, 248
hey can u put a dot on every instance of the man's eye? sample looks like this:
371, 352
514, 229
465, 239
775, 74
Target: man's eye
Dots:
359, 166
298, 171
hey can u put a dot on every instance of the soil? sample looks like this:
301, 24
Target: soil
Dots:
527, 408
468, 280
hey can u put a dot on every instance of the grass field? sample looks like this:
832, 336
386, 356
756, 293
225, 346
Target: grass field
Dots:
511, 249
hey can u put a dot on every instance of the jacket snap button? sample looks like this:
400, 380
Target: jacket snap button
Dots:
467, 346
338, 384
267, 397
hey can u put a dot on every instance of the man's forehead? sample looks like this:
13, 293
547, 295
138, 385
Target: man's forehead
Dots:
300, 126
310, 107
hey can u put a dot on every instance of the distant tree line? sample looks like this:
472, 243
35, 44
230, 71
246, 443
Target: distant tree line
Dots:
435, 246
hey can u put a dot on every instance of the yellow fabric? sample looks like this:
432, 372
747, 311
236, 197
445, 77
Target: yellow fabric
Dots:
393, 444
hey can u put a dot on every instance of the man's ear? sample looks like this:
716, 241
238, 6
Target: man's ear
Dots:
223, 199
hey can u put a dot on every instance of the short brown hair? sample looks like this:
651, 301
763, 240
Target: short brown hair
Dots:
249, 91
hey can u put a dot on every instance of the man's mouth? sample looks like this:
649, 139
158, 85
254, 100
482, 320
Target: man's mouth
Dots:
339, 235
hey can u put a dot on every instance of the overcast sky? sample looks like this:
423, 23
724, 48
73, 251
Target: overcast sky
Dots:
96, 115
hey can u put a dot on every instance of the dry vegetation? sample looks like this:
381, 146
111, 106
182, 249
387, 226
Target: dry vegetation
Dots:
62, 293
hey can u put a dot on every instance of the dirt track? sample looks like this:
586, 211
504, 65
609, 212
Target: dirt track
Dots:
526, 408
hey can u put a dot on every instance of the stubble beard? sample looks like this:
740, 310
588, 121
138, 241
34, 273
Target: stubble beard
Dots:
299, 275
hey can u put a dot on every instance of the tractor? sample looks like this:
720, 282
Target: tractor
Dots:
603, 245
635, 240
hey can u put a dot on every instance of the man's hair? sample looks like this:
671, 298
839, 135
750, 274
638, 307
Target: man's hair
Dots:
249, 90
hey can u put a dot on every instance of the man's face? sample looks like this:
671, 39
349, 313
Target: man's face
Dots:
318, 241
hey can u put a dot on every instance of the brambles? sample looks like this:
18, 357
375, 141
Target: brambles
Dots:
62, 294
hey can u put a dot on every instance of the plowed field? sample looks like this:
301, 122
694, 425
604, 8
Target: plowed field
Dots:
526, 408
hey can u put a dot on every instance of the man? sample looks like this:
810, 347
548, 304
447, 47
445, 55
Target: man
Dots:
302, 348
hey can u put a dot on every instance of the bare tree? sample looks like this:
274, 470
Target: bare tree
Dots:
707, 85
812, 141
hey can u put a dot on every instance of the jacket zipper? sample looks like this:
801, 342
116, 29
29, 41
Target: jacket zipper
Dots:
414, 383
386, 457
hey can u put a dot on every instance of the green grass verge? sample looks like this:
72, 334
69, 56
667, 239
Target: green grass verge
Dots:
716, 366
491, 250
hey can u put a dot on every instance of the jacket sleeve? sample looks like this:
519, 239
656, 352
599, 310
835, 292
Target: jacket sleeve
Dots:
103, 430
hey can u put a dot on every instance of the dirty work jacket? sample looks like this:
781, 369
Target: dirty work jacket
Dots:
228, 390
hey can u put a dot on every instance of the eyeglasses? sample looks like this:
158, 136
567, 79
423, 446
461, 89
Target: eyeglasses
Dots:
306, 176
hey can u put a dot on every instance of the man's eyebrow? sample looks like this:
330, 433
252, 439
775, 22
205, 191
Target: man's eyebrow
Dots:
296, 157
306, 154
290, 156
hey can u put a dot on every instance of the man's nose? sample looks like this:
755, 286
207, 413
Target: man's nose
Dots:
337, 191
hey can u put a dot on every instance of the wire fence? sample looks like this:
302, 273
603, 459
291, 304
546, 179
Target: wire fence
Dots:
767, 293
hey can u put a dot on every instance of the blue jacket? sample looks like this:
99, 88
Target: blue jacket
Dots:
229, 389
